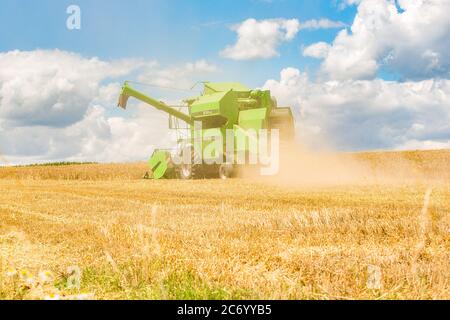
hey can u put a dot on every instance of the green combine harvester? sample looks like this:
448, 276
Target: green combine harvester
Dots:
221, 109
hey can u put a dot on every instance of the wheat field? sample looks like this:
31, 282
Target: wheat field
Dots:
127, 238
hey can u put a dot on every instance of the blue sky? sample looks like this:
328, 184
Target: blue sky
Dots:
168, 31
358, 74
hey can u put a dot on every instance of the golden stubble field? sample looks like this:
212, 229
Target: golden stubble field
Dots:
377, 227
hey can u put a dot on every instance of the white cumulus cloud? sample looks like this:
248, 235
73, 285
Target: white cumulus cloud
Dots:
48, 87
408, 37
321, 24
367, 114
317, 50
57, 105
178, 76
260, 39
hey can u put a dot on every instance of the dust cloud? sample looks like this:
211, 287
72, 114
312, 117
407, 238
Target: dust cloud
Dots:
300, 165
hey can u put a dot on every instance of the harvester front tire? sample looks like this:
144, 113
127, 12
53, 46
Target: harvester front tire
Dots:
191, 171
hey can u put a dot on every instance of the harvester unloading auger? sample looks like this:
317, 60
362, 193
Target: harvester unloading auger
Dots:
221, 109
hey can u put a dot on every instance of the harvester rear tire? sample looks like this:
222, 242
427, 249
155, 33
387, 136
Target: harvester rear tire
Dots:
225, 171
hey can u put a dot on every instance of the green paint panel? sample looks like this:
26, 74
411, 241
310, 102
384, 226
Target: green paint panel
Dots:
210, 103
253, 118
159, 164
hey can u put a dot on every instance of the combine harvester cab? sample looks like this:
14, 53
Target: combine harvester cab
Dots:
221, 109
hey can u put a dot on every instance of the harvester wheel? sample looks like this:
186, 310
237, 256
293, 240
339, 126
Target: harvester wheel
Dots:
225, 171
190, 171
146, 175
